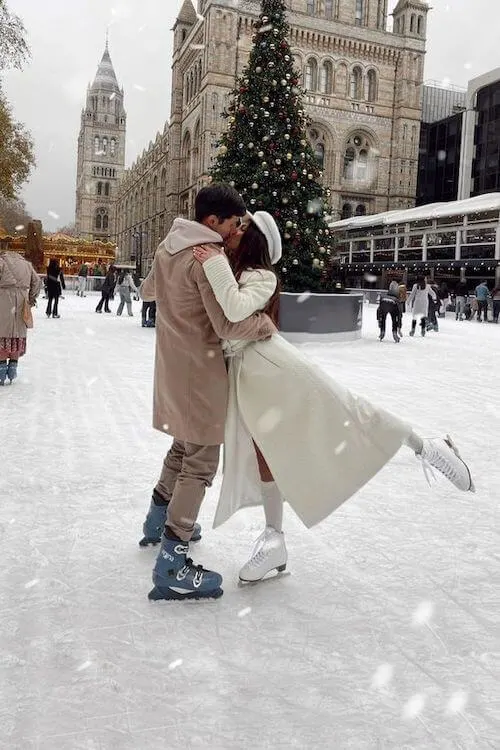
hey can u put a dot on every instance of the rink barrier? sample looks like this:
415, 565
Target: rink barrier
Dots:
321, 317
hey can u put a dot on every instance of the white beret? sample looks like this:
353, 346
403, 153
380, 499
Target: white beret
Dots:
269, 229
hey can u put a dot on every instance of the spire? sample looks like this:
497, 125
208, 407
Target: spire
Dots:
187, 14
105, 77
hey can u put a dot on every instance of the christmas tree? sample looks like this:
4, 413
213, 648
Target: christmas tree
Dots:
266, 156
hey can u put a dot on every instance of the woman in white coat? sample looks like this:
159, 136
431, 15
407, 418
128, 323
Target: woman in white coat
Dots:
418, 302
280, 402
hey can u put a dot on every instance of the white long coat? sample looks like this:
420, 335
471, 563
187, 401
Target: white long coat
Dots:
418, 301
321, 442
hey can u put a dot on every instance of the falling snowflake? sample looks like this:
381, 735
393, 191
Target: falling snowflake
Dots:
269, 420
112, 96
175, 664
91, 382
19, 227
441, 155
53, 214
244, 612
382, 676
423, 614
84, 666
457, 702
196, 46
32, 583
165, 427
210, 354
89, 332
139, 87
340, 448
414, 706
315, 206
303, 297
370, 277
347, 423
266, 28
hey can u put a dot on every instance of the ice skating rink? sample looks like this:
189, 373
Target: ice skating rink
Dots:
384, 635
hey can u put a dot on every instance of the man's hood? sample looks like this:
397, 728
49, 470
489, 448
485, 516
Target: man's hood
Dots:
185, 233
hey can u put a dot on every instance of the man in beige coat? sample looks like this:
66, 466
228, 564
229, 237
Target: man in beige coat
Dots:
190, 388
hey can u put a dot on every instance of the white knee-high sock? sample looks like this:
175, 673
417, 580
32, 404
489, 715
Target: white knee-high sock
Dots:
273, 505
415, 442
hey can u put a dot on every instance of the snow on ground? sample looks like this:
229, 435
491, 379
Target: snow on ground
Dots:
384, 635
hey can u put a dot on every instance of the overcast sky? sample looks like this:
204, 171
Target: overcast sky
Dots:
67, 39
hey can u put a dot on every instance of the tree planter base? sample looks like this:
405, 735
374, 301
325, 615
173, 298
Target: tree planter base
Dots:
321, 317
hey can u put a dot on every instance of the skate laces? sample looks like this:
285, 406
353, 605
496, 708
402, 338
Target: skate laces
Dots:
434, 458
260, 550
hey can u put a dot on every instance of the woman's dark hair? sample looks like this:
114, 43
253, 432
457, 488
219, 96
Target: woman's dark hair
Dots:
253, 253
421, 282
121, 276
219, 200
53, 268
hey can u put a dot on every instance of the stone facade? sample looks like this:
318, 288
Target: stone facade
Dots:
101, 155
363, 96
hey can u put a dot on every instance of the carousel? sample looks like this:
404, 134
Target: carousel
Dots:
71, 252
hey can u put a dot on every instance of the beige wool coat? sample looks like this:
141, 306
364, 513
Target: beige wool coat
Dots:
190, 382
18, 283
321, 442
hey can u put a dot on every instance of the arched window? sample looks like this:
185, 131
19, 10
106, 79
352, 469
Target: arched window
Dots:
359, 16
155, 195
326, 78
412, 23
99, 188
311, 75
112, 146
362, 165
355, 85
359, 165
311, 6
106, 189
420, 25
96, 144
104, 145
319, 153
328, 8
346, 211
349, 158
196, 152
361, 209
101, 219
372, 86
186, 159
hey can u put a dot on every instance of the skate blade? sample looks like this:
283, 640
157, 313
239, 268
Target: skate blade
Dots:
455, 450
156, 595
279, 573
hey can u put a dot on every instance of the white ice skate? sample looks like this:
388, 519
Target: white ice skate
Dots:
269, 554
443, 455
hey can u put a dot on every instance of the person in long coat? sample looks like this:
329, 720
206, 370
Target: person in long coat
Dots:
107, 291
292, 431
190, 388
19, 288
418, 302
55, 285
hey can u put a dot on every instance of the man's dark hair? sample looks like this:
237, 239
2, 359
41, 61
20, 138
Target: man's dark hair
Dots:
219, 200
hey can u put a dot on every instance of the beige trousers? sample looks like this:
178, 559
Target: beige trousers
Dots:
188, 469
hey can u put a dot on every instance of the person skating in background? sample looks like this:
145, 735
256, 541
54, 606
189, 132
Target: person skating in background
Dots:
434, 305
482, 294
418, 302
345, 440
107, 291
444, 299
190, 388
125, 286
495, 296
82, 280
390, 305
55, 285
461, 293
19, 288
137, 281
148, 314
